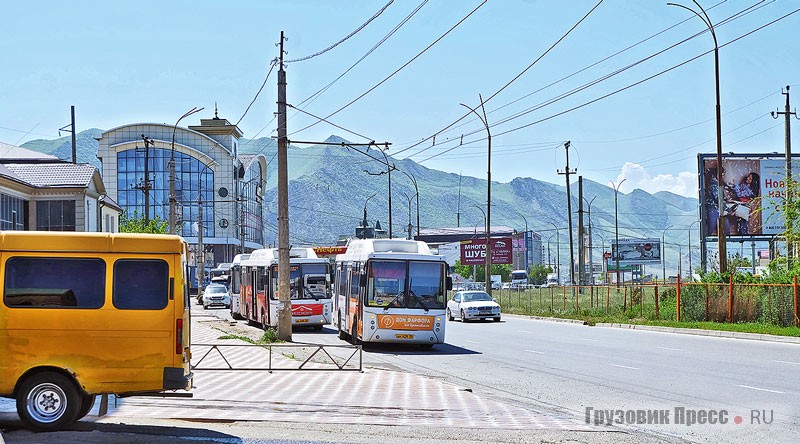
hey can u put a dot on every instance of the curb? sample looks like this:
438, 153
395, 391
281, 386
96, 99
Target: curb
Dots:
714, 333
548, 319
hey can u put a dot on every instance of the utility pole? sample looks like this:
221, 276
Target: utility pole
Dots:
581, 256
74, 141
285, 307
566, 173
201, 257
788, 133
145, 185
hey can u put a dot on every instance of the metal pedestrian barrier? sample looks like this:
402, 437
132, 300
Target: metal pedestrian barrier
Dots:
277, 357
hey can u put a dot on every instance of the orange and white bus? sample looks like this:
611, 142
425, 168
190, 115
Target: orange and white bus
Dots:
390, 290
310, 286
83, 314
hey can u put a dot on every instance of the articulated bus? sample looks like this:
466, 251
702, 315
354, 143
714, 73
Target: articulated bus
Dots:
235, 283
390, 290
84, 314
310, 287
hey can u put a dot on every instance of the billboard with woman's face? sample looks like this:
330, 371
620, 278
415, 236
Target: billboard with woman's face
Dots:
753, 190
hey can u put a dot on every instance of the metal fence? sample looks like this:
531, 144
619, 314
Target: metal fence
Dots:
772, 304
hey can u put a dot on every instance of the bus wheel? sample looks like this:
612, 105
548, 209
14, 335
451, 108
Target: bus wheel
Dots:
342, 334
48, 401
87, 402
353, 334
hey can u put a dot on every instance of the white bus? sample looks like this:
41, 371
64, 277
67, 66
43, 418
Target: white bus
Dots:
309, 283
519, 278
236, 283
390, 290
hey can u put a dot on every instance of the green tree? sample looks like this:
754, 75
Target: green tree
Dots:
538, 273
503, 270
136, 224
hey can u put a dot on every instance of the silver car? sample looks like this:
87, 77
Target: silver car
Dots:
216, 295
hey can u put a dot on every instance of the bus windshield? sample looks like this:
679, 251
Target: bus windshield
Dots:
306, 281
406, 284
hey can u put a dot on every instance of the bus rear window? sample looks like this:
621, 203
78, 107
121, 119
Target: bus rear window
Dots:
54, 282
141, 284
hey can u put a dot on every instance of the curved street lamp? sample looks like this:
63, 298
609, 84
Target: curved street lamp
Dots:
388, 171
364, 223
488, 272
616, 225
723, 254
416, 190
488, 213
172, 169
664, 253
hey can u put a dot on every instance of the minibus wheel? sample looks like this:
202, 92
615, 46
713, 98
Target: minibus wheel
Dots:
48, 401
342, 334
87, 402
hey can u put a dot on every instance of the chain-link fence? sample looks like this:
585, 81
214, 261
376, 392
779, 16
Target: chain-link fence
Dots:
770, 304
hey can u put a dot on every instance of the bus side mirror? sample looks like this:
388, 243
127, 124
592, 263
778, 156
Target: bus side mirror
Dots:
449, 283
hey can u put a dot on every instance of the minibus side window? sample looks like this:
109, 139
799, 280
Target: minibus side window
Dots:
141, 284
54, 282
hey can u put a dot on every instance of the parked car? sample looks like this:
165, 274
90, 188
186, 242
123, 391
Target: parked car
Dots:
216, 295
468, 305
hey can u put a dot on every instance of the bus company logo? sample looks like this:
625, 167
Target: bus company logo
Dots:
306, 310
387, 322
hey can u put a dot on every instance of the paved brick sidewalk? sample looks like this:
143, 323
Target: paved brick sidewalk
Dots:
337, 397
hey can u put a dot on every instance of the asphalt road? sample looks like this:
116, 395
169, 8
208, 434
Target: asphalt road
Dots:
554, 367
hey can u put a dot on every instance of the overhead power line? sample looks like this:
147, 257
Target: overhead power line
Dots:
342, 40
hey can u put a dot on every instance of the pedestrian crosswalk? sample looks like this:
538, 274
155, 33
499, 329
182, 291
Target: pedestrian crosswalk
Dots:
375, 396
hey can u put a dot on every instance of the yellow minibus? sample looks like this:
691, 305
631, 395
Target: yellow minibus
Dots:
83, 314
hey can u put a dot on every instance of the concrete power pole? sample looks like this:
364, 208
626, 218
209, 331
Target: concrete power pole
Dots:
285, 306
566, 173
788, 133
581, 255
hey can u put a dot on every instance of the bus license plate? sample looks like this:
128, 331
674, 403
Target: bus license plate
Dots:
404, 336
300, 321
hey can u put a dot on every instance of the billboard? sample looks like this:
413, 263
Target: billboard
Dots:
473, 251
635, 252
753, 190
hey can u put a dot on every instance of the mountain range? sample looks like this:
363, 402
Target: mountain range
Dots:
331, 184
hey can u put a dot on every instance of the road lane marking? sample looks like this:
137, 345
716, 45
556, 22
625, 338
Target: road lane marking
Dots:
534, 351
587, 339
625, 366
673, 349
786, 362
524, 331
474, 342
759, 389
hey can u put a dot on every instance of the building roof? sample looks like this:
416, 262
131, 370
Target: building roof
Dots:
8, 152
55, 175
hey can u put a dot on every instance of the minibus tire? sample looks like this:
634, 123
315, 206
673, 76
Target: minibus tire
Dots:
48, 401
87, 402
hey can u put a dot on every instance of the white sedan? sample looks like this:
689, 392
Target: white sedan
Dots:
468, 305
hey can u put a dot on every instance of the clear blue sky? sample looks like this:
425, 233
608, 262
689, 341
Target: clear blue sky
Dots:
122, 62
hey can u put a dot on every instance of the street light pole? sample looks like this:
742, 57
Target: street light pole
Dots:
172, 209
525, 241
591, 262
416, 190
410, 226
691, 270
558, 252
485, 122
723, 255
388, 171
364, 222
616, 225
487, 279
664, 253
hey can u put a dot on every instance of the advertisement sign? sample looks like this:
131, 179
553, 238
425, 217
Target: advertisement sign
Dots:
473, 251
405, 322
753, 190
330, 251
635, 252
